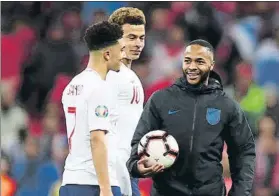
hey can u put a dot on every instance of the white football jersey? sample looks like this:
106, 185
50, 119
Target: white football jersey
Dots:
88, 104
130, 97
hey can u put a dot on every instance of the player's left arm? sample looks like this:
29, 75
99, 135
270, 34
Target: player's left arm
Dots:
241, 151
99, 125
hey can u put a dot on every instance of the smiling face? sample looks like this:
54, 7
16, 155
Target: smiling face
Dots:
134, 40
197, 64
115, 54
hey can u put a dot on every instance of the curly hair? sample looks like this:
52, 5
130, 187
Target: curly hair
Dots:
102, 34
127, 15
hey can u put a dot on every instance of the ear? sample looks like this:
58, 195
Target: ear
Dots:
212, 65
106, 55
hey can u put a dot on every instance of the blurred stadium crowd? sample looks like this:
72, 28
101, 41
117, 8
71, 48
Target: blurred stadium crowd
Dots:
42, 49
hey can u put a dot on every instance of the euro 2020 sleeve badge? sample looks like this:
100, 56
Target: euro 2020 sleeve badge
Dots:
101, 111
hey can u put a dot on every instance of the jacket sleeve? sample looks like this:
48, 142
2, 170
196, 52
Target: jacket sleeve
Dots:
149, 121
241, 151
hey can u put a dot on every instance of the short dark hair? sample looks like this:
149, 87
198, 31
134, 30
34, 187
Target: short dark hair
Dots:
203, 43
102, 34
128, 15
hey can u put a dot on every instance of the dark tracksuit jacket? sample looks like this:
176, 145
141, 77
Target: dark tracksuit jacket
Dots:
201, 119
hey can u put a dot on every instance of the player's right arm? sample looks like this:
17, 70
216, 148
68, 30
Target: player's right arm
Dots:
99, 125
150, 120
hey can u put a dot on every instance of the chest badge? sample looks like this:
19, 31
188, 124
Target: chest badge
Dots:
213, 116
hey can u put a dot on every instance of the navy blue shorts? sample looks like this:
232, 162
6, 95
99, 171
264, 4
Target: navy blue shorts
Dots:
135, 186
85, 190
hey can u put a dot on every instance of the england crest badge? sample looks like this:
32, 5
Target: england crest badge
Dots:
213, 116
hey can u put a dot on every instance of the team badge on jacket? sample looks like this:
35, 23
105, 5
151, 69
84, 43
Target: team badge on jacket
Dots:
213, 116
101, 111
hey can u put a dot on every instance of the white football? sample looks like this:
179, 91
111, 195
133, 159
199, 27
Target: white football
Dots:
158, 147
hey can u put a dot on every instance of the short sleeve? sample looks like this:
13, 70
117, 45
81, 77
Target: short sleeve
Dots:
98, 111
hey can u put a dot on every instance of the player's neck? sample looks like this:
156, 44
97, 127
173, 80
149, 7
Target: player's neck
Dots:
98, 66
127, 62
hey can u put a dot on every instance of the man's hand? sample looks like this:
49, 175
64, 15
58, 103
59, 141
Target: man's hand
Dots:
148, 171
106, 192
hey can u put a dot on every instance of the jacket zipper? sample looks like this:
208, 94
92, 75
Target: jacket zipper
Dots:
193, 126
